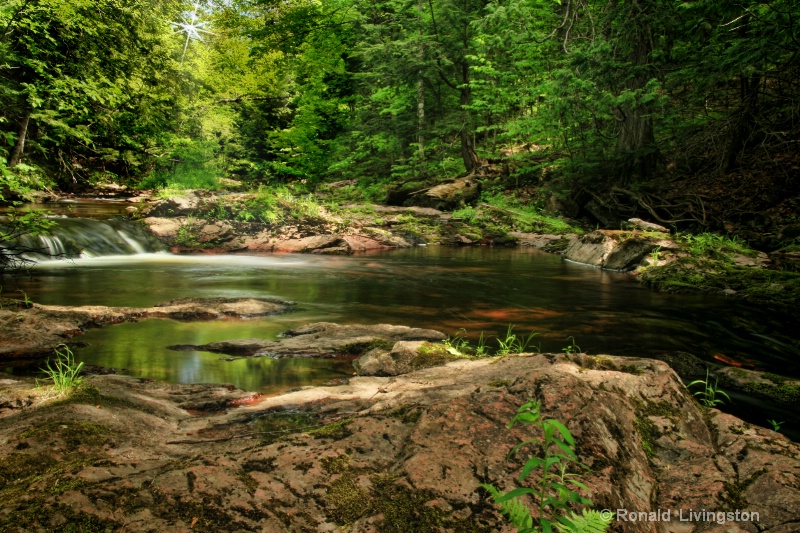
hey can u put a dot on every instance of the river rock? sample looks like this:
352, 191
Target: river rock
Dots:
406, 453
446, 195
316, 244
188, 203
321, 340
752, 383
614, 249
404, 357
35, 331
638, 223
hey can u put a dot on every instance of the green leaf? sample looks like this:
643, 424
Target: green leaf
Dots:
563, 430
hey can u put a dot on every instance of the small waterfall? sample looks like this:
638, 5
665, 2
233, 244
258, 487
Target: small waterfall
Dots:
72, 238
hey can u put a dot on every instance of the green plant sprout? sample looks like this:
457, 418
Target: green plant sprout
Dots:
654, 255
457, 344
557, 489
572, 348
65, 374
776, 426
512, 343
708, 395
481, 350
25, 300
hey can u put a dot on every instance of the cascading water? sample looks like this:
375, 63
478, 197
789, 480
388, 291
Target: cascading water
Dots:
72, 238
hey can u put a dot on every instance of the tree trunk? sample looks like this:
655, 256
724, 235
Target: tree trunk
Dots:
636, 145
467, 142
420, 93
19, 147
745, 123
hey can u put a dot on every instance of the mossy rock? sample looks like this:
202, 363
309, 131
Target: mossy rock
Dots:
690, 274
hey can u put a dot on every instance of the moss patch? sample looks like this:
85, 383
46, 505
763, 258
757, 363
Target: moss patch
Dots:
690, 274
336, 430
348, 500
74, 434
648, 434
408, 414
275, 426
599, 363
404, 509
358, 348
663, 408
785, 393
17, 468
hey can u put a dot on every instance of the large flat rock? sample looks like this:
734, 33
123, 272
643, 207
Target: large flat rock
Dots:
406, 453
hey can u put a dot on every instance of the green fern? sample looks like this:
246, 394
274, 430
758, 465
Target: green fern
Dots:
517, 512
591, 521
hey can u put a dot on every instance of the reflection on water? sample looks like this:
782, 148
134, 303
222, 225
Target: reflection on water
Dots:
477, 289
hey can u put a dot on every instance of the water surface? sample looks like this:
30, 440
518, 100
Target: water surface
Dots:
449, 289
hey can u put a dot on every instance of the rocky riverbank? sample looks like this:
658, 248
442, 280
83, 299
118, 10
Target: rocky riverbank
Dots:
402, 453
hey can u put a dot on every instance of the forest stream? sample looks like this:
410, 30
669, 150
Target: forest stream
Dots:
465, 291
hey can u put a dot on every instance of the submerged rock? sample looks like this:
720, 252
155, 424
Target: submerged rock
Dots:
320, 339
36, 330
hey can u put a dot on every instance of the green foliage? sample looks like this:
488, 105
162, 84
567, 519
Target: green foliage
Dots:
191, 165
512, 343
714, 246
498, 207
457, 345
65, 372
709, 394
85, 85
557, 490
776, 426
15, 185
572, 347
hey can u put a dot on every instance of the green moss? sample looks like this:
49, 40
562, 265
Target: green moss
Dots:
275, 426
557, 246
600, 362
775, 378
631, 369
336, 465
408, 414
785, 393
403, 509
648, 434
734, 491
499, 383
690, 274
73, 433
357, 348
663, 408
22, 468
89, 395
247, 480
348, 500
431, 354
29, 517
336, 430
